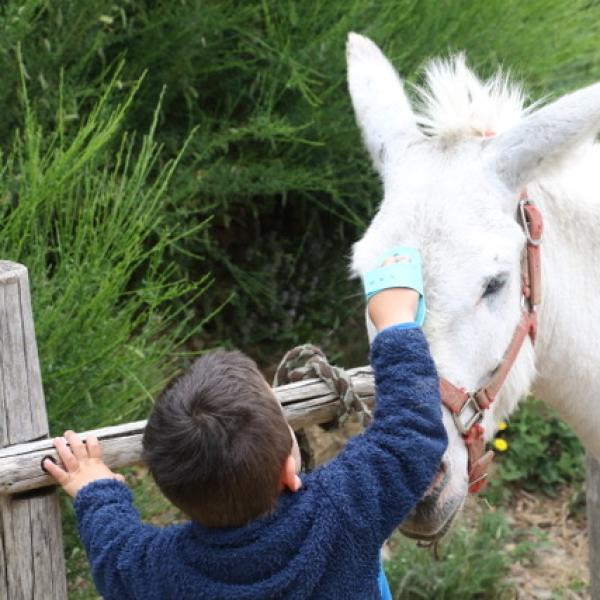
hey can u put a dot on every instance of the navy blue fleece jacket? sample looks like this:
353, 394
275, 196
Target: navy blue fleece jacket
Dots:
321, 542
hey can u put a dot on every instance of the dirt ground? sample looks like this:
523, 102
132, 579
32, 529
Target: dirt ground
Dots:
560, 568
556, 526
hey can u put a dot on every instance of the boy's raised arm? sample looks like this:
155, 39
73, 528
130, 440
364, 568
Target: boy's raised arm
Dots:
382, 474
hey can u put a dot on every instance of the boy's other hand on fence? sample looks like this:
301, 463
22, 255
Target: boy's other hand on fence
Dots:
82, 463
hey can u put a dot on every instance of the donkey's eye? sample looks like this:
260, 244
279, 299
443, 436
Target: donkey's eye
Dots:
494, 285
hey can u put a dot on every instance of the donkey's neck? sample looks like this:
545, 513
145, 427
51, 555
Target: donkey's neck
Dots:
568, 347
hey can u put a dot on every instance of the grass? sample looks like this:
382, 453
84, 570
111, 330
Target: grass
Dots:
474, 564
89, 215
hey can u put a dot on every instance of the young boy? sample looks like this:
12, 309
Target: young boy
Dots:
219, 448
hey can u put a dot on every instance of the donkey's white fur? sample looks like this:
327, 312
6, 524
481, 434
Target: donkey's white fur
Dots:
452, 193
455, 104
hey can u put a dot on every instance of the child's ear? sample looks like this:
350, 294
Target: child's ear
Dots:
288, 478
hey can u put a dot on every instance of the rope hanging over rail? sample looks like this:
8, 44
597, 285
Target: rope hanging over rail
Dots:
309, 362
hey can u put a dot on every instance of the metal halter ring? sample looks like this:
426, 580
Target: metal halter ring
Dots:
477, 416
522, 204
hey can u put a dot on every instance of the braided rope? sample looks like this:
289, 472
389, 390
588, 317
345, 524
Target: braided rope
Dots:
308, 362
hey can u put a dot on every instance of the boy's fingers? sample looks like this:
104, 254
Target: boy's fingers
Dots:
52, 469
66, 456
390, 260
77, 447
93, 447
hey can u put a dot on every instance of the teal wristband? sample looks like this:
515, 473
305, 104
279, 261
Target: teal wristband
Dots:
405, 272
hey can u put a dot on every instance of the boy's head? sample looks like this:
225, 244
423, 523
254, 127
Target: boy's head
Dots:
217, 442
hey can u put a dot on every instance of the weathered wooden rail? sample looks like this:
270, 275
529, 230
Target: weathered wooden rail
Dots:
31, 568
305, 403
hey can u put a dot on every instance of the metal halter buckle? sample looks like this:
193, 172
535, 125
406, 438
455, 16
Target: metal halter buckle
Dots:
477, 416
525, 223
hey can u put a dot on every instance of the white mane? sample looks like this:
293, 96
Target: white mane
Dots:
455, 104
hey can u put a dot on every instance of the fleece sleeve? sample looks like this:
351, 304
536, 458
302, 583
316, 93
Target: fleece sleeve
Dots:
116, 541
382, 474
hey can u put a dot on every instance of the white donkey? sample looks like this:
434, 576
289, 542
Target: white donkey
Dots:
453, 174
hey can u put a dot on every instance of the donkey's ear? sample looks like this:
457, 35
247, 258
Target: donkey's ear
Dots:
545, 136
382, 109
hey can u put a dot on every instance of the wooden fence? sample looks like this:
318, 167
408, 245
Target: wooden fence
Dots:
30, 524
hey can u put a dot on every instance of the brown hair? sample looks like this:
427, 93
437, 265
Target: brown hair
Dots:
216, 441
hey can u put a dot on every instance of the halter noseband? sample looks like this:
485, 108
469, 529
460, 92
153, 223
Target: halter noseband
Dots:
468, 408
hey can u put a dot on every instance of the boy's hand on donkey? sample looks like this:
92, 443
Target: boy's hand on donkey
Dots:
393, 306
394, 303
82, 463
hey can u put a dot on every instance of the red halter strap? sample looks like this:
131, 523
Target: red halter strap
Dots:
468, 408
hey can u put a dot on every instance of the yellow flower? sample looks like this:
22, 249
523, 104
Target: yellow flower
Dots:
502, 425
500, 445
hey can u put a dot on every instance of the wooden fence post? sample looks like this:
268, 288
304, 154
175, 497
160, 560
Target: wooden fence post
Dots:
593, 517
31, 548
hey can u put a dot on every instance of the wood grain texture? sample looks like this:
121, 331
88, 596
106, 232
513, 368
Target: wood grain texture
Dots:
304, 403
31, 549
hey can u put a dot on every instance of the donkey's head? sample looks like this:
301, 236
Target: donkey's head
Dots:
452, 176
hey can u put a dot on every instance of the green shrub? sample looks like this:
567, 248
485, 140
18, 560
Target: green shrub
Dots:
543, 453
87, 214
277, 160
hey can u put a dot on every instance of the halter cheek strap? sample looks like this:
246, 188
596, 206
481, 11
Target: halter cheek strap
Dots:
468, 408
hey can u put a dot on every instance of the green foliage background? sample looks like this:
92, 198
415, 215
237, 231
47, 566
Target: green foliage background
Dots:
151, 147
276, 162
